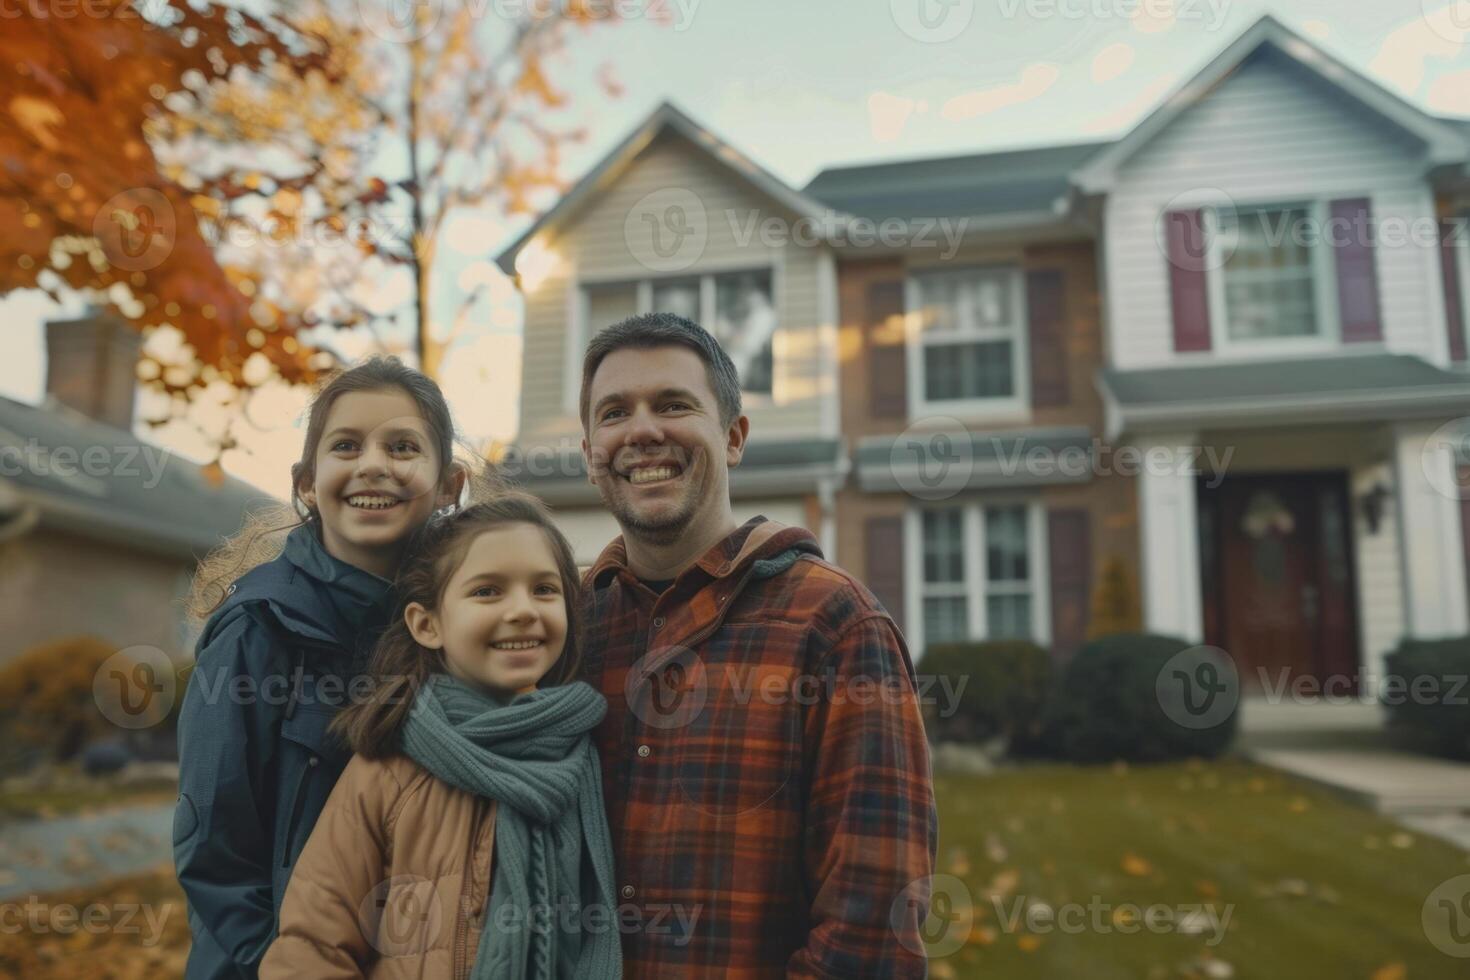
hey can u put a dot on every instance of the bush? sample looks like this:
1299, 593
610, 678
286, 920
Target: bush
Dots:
50, 709
1426, 693
1005, 683
1111, 705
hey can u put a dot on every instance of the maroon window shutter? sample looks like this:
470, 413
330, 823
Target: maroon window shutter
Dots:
888, 379
1184, 234
1454, 290
1046, 307
1069, 537
1357, 278
883, 563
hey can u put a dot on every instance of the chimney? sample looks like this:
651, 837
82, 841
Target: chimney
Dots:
92, 364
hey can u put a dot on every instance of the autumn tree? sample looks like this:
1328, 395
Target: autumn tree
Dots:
83, 200
439, 109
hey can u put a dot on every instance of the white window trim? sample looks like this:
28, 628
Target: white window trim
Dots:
1324, 283
578, 315
975, 586
1462, 256
1016, 408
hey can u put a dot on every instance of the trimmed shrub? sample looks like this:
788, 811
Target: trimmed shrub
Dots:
1001, 687
1111, 703
51, 710
1426, 692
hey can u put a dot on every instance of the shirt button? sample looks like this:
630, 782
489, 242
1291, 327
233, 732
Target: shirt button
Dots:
313, 761
658, 622
643, 751
627, 891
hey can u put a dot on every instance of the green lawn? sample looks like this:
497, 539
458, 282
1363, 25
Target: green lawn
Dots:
1317, 889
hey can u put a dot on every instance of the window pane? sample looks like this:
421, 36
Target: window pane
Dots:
1007, 617
972, 300
607, 305
945, 620
1005, 544
677, 296
944, 551
979, 370
745, 325
1269, 289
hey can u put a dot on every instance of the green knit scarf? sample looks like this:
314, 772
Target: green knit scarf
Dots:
553, 853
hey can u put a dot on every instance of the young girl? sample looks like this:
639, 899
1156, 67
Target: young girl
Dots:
474, 743
284, 640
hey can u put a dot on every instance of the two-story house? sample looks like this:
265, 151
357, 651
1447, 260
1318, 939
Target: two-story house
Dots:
1222, 350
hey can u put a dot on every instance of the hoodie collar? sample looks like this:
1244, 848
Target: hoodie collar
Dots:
356, 595
756, 539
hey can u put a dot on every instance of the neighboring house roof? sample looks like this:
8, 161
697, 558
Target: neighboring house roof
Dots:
940, 463
1342, 388
666, 118
767, 467
1010, 184
1446, 143
76, 473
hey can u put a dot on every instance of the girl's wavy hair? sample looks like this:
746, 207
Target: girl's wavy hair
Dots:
372, 725
263, 535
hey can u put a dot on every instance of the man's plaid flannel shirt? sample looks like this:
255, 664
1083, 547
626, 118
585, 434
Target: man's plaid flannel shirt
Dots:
764, 764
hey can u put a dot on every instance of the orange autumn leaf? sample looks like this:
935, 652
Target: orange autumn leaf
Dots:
1136, 866
1391, 971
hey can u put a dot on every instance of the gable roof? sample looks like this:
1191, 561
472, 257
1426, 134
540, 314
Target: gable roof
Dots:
666, 118
97, 480
1446, 143
1010, 184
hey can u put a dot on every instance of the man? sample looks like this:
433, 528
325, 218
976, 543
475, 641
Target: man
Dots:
764, 761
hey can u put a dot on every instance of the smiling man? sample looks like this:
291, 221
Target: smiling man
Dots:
764, 763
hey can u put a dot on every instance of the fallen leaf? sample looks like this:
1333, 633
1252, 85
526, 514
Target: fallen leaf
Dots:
1136, 866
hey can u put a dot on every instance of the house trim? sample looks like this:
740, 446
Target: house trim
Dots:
1444, 145
669, 117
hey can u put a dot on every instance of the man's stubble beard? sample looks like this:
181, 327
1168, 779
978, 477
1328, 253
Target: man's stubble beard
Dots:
661, 532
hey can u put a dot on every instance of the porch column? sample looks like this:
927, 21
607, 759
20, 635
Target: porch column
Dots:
1169, 530
1430, 539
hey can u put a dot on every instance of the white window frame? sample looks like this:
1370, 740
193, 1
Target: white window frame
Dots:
976, 587
1016, 407
1461, 226
1324, 287
578, 333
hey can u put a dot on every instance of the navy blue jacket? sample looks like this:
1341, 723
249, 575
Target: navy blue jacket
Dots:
256, 764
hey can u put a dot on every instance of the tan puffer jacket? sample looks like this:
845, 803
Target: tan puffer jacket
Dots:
393, 882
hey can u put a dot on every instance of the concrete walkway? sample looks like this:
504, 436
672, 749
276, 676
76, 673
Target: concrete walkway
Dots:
1348, 749
39, 856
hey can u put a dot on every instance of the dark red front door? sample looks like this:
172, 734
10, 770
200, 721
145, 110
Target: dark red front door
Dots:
1277, 574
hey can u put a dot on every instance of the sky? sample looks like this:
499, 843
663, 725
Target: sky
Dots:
803, 86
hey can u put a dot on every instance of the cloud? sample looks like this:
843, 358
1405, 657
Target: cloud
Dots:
1034, 82
1154, 18
1450, 94
1127, 114
887, 116
1112, 61
1440, 34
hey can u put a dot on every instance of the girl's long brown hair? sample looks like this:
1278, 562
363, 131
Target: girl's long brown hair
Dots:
400, 666
264, 533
